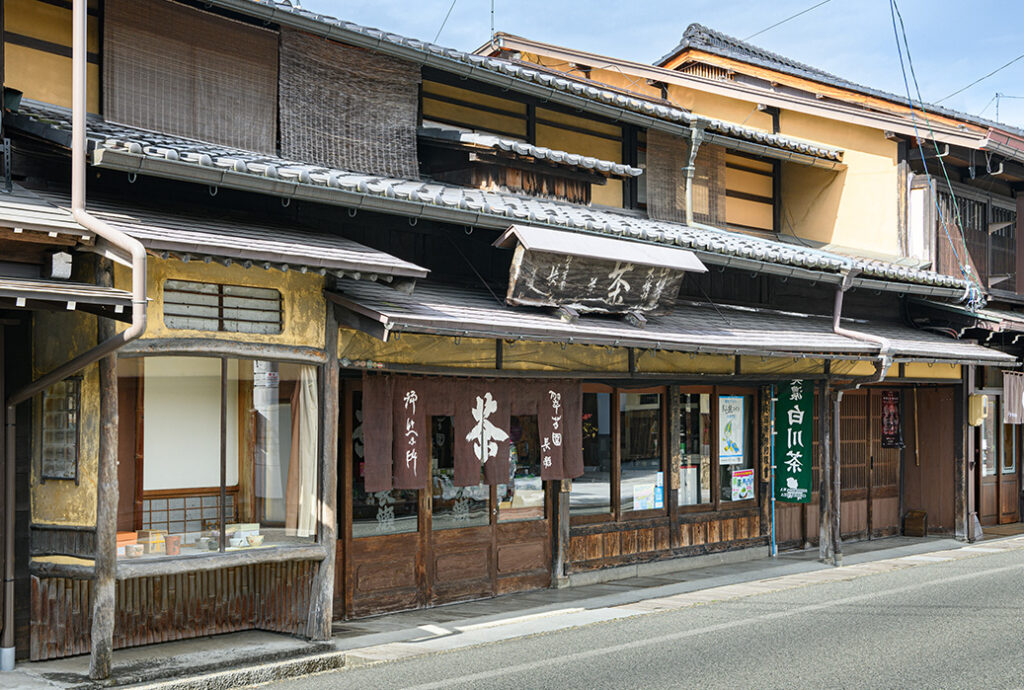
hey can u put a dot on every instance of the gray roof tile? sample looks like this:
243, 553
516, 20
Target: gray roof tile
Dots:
338, 28
689, 327
700, 37
716, 243
521, 148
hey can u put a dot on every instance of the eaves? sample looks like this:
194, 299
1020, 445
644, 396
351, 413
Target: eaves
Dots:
293, 189
675, 121
809, 105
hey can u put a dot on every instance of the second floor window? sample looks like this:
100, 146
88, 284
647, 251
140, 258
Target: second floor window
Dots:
216, 307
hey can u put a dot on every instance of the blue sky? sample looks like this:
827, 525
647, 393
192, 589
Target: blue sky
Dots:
952, 43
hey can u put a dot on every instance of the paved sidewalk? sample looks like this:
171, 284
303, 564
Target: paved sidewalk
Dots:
255, 657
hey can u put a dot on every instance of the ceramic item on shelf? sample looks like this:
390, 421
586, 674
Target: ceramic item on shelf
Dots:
173, 544
133, 550
237, 542
255, 539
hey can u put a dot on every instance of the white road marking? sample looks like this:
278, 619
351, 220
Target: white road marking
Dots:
636, 644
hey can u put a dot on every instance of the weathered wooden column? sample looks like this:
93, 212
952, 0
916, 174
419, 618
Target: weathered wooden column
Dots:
837, 460
105, 557
675, 458
321, 605
559, 578
825, 472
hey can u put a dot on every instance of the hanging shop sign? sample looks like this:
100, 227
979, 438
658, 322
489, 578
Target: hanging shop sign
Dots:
892, 428
396, 429
593, 273
793, 435
1013, 397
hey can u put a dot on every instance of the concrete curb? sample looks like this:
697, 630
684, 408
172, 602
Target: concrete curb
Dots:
254, 675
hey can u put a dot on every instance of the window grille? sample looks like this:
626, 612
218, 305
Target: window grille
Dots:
217, 307
59, 441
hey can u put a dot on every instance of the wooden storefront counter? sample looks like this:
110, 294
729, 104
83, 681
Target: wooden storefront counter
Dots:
610, 544
174, 599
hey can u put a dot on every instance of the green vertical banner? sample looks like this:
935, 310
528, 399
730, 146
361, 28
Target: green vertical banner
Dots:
794, 416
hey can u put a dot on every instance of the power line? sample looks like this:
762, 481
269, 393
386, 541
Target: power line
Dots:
450, 8
981, 79
787, 19
894, 11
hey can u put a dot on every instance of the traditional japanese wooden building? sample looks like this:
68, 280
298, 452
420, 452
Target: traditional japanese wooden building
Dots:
412, 326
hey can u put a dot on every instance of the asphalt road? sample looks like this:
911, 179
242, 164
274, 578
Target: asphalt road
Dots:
956, 624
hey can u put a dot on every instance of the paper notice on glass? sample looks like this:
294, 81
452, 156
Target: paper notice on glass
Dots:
731, 430
644, 496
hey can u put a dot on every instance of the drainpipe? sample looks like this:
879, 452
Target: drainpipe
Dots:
696, 137
882, 363
119, 240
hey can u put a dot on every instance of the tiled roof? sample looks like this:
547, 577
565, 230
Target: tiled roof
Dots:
241, 239
520, 148
689, 327
699, 37
22, 210
423, 51
460, 205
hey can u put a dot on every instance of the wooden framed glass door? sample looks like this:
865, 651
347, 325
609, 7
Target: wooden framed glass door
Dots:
1009, 483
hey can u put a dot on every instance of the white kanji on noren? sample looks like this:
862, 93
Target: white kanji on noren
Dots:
410, 400
485, 435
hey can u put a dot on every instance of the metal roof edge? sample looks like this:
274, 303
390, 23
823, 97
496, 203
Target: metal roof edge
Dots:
180, 170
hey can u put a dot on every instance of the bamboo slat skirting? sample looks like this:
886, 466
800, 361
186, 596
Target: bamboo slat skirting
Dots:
161, 608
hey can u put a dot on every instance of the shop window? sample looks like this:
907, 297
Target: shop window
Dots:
623, 455
58, 446
642, 481
383, 512
989, 449
694, 449
591, 493
259, 418
735, 447
452, 506
217, 307
522, 498
1009, 464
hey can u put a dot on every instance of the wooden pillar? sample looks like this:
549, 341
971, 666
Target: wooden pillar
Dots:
964, 510
674, 460
103, 592
837, 460
321, 605
560, 562
825, 473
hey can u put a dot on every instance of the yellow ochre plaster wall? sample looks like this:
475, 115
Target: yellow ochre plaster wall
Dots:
58, 337
855, 208
42, 74
302, 299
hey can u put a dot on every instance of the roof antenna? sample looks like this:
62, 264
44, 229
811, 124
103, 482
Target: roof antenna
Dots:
493, 43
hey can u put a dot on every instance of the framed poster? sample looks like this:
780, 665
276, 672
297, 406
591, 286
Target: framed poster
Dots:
742, 484
732, 431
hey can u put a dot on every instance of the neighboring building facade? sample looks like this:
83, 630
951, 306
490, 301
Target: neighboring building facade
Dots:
426, 326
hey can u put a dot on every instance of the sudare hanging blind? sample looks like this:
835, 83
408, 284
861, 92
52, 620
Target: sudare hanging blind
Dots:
182, 71
345, 107
667, 155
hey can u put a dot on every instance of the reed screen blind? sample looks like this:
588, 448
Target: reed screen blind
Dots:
667, 155
182, 71
348, 108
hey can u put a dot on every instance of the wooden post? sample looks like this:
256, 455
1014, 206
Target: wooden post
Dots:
674, 460
559, 563
103, 591
834, 506
963, 455
825, 473
321, 605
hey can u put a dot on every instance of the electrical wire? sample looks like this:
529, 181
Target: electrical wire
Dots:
981, 79
976, 298
450, 8
812, 7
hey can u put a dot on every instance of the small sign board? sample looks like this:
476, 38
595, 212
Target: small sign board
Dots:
794, 415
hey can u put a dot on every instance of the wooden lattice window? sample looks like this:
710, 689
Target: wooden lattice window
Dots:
59, 436
218, 307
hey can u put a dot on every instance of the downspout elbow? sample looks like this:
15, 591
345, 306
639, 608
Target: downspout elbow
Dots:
883, 359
